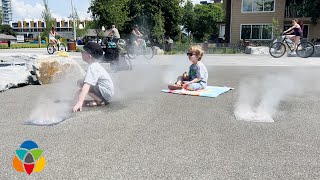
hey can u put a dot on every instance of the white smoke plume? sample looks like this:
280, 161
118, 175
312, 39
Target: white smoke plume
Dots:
259, 98
54, 105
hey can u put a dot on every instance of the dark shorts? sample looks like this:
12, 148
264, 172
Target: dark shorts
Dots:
297, 33
93, 89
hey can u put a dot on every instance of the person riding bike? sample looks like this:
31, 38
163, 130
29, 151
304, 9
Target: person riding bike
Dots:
136, 36
114, 33
295, 32
52, 36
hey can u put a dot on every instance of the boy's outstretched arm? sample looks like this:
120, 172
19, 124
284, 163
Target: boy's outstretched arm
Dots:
82, 95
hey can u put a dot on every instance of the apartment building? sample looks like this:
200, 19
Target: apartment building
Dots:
252, 19
6, 11
31, 28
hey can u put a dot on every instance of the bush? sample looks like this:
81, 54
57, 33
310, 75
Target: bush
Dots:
171, 52
79, 48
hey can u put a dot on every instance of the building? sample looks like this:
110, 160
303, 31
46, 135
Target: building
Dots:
6, 11
211, 1
31, 28
252, 19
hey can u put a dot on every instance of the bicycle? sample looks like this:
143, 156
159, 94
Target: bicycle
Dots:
278, 49
144, 48
60, 46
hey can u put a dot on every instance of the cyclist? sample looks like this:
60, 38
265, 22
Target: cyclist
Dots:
52, 36
137, 36
114, 33
295, 31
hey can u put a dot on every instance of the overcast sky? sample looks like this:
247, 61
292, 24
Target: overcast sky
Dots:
32, 9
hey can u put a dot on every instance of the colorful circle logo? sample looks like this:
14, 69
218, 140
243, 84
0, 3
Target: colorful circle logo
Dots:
29, 158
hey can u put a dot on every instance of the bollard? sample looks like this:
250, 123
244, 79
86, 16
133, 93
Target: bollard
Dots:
39, 41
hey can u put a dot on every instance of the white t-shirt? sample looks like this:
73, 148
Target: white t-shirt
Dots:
115, 32
97, 76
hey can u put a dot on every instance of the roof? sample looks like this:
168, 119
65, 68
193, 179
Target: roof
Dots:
92, 32
7, 37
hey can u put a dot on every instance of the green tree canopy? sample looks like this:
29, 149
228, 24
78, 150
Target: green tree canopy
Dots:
188, 17
312, 9
6, 29
201, 20
144, 13
49, 20
108, 12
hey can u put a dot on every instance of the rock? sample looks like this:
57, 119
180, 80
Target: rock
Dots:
13, 76
53, 69
158, 51
316, 51
257, 50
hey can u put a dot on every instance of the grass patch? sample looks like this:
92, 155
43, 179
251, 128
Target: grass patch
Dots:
24, 45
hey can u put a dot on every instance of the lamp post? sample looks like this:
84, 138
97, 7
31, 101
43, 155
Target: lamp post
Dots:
74, 23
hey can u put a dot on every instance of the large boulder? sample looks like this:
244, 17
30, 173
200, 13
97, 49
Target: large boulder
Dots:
53, 69
13, 75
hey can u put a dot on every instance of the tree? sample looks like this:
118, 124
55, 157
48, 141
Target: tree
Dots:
206, 18
144, 13
49, 20
311, 9
188, 18
108, 12
158, 30
1, 16
275, 27
6, 29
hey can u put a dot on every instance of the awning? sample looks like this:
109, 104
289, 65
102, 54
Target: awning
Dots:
7, 37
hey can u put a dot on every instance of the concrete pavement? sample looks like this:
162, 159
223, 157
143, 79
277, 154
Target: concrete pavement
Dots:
146, 134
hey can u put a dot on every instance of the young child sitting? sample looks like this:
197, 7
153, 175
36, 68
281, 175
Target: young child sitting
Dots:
97, 82
198, 75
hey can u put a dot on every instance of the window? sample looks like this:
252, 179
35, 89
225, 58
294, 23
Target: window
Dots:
258, 5
256, 32
58, 24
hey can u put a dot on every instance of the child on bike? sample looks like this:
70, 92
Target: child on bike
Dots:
97, 82
197, 77
52, 36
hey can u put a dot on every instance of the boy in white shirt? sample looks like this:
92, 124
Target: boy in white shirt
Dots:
97, 82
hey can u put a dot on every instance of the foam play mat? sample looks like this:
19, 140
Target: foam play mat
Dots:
210, 91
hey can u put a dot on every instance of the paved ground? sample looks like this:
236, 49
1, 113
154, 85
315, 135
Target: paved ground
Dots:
146, 134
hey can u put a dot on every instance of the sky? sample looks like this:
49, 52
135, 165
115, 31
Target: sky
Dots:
31, 9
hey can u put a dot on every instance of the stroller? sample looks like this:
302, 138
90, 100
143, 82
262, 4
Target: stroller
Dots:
118, 60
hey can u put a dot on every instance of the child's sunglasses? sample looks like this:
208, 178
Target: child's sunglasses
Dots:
190, 54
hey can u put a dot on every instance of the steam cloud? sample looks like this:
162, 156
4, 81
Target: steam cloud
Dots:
55, 104
259, 98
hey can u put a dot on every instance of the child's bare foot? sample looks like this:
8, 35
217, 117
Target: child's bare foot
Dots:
174, 87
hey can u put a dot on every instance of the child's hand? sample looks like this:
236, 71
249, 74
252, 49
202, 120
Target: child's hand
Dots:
77, 107
184, 86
